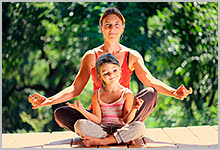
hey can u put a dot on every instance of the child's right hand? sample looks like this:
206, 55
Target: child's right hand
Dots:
137, 103
78, 106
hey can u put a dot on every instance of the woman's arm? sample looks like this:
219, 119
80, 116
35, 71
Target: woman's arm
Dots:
87, 63
148, 80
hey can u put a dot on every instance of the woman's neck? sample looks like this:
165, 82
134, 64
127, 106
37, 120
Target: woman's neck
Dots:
111, 47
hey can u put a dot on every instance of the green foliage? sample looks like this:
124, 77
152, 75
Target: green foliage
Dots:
43, 44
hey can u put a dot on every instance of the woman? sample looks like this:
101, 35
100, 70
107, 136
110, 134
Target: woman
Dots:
112, 25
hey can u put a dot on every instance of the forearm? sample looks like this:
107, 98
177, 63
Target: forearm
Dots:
129, 116
162, 88
64, 95
92, 117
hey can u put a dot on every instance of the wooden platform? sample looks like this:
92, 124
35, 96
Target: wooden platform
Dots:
172, 138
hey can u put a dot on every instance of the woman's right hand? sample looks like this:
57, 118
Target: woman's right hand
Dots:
38, 101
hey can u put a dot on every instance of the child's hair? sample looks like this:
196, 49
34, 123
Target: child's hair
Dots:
105, 58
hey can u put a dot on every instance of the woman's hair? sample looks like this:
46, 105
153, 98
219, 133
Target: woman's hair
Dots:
105, 58
112, 10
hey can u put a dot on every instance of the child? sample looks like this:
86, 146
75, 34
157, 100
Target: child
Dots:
113, 109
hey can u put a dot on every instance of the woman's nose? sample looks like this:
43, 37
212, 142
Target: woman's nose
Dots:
111, 27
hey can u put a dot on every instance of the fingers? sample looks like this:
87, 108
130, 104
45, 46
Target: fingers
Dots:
182, 92
30, 99
36, 95
79, 103
138, 103
190, 90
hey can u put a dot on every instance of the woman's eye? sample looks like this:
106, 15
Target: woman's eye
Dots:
114, 70
105, 73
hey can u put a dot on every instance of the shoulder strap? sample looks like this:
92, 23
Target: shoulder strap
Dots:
96, 55
128, 57
123, 92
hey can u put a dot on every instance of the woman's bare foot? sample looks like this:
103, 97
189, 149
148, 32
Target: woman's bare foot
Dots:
89, 141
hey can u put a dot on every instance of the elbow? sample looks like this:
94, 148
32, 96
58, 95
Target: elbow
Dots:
126, 121
150, 82
74, 91
98, 121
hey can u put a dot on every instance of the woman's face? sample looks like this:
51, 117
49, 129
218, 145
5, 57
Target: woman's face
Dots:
112, 28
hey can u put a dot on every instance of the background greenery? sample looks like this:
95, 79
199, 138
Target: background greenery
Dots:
43, 44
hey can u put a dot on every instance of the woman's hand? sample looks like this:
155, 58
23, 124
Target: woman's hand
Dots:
182, 92
77, 105
137, 103
38, 100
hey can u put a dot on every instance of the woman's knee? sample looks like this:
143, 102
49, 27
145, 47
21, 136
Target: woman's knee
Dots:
150, 91
148, 95
59, 112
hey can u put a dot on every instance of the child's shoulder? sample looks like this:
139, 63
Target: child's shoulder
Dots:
95, 93
128, 92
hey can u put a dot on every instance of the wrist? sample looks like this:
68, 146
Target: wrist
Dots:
135, 108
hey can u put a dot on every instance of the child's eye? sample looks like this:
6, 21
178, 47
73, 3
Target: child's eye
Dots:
114, 70
105, 73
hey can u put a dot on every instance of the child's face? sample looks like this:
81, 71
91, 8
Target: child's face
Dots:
110, 73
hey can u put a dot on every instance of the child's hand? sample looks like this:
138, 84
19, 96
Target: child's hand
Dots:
137, 103
77, 106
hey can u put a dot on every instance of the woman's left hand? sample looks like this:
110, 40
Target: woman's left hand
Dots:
182, 92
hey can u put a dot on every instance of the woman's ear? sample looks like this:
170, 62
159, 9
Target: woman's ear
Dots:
100, 26
123, 27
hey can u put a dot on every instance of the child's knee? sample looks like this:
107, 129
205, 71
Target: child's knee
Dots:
80, 124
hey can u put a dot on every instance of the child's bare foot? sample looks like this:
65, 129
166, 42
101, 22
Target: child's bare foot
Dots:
89, 141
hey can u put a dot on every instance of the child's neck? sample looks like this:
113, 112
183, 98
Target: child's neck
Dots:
112, 87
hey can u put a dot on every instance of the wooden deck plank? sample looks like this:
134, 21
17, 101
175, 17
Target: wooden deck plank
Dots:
156, 138
8, 140
30, 140
114, 146
207, 135
215, 127
183, 138
60, 139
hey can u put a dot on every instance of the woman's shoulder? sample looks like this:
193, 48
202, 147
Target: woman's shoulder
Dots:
132, 52
91, 54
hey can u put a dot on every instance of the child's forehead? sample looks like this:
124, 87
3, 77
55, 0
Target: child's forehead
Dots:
108, 66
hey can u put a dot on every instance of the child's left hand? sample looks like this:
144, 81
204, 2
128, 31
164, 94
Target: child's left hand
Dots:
137, 103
